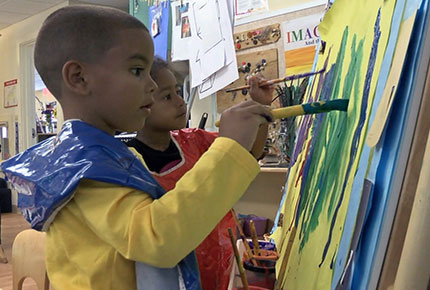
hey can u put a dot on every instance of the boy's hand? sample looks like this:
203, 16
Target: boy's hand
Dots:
241, 122
261, 90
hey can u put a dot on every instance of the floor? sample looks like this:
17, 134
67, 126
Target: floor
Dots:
11, 225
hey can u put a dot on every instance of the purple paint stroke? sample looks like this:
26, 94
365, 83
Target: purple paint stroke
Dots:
325, 93
357, 133
307, 120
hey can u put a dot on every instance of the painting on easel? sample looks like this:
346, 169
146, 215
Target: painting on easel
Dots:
329, 147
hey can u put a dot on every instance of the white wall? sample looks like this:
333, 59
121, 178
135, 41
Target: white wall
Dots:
10, 40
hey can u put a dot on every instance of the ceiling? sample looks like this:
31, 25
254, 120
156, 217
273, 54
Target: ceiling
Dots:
13, 11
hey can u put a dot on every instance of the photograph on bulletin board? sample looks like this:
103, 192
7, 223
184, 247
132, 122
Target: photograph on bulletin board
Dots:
301, 39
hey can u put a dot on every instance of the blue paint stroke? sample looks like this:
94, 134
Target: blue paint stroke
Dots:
357, 133
357, 185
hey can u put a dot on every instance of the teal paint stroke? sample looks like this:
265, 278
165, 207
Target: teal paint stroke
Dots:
322, 107
323, 184
335, 141
357, 131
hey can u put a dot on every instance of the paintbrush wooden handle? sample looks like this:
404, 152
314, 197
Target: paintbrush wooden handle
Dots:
279, 80
310, 108
255, 246
238, 260
246, 87
243, 237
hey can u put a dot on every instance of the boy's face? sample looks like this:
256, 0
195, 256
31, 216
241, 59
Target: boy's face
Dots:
120, 85
168, 111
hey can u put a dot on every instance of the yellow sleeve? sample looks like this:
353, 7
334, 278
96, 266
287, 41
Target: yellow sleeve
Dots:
162, 232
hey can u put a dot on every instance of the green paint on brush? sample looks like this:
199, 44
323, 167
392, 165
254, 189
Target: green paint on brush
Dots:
321, 107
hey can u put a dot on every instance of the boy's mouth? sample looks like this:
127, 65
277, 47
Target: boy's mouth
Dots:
148, 106
182, 114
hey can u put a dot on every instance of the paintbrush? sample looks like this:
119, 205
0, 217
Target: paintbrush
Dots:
306, 109
243, 237
255, 246
238, 261
279, 80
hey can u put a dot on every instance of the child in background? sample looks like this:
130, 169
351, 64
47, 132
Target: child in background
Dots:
170, 151
108, 224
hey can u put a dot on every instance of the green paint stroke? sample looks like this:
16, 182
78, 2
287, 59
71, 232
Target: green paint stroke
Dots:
325, 106
331, 146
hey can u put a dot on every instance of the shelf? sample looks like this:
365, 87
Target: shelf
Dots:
274, 169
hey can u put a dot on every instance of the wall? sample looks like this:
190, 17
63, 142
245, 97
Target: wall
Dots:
10, 40
205, 105
263, 196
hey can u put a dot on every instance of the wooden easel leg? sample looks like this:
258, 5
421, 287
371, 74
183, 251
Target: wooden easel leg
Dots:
3, 258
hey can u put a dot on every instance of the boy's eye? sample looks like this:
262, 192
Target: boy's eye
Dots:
137, 71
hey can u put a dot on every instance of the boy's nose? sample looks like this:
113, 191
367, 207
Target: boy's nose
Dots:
181, 101
151, 85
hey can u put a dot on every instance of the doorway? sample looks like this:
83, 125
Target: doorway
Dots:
41, 115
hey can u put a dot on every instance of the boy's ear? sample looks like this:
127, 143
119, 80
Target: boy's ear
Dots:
73, 77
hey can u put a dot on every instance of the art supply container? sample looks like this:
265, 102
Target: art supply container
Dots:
262, 275
259, 222
250, 287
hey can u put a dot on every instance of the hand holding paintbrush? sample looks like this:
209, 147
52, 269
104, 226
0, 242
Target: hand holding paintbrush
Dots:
310, 108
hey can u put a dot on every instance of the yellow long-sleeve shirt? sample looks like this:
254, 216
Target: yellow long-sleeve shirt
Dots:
96, 238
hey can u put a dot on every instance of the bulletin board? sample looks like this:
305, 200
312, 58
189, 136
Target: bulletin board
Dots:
224, 100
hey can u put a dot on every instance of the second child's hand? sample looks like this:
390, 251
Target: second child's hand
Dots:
242, 122
261, 90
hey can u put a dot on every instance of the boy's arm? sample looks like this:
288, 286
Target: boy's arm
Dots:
162, 232
261, 91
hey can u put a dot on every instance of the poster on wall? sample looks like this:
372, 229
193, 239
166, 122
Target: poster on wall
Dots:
158, 16
10, 93
202, 32
181, 30
301, 38
245, 8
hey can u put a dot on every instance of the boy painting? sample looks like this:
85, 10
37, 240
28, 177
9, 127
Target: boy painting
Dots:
108, 224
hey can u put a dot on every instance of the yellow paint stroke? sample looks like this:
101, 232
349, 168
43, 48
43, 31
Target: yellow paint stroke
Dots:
302, 270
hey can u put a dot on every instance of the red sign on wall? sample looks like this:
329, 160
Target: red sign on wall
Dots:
10, 93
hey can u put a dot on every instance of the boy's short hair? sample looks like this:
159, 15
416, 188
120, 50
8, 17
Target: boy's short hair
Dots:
157, 65
82, 33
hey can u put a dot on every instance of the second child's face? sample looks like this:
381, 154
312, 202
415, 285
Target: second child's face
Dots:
168, 111
121, 87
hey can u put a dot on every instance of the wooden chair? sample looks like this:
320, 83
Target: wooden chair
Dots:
28, 259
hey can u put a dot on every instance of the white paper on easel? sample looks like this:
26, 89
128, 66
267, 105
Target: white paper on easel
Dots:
181, 30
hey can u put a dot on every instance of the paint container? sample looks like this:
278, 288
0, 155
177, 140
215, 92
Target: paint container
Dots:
266, 255
250, 287
259, 222
262, 275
